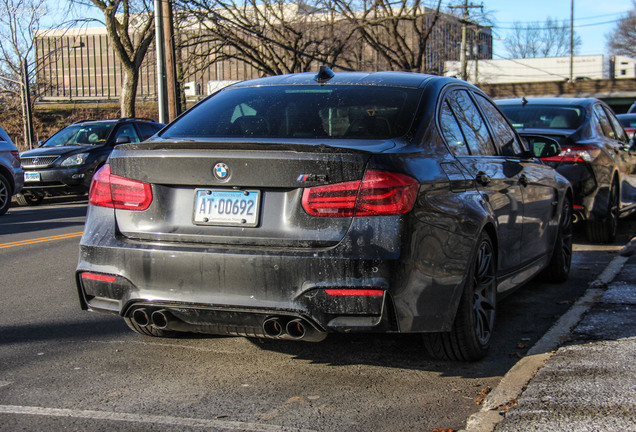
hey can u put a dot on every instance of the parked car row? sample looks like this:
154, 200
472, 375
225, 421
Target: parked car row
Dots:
597, 156
295, 206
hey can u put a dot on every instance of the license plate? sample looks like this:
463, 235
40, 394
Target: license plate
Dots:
31, 176
227, 208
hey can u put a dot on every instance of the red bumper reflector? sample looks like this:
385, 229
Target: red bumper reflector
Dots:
361, 292
98, 277
577, 207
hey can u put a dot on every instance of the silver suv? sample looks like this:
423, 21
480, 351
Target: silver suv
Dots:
11, 175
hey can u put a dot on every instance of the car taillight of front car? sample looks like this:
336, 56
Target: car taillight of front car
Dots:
576, 154
379, 193
109, 190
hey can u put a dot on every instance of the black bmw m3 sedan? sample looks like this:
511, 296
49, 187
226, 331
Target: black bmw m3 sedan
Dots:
295, 206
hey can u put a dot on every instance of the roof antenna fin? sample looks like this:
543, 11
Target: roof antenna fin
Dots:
324, 74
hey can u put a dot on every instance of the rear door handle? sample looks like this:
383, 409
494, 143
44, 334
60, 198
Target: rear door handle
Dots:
524, 180
482, 178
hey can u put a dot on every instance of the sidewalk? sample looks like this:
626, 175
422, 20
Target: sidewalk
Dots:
589, 384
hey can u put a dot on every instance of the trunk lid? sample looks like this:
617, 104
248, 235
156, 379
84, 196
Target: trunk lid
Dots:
267, 179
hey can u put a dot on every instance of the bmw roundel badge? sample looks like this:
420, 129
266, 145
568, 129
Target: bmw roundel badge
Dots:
221, 172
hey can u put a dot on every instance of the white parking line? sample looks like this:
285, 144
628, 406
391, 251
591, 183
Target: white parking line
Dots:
144, 418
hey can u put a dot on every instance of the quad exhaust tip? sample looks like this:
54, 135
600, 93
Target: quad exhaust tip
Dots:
273, 327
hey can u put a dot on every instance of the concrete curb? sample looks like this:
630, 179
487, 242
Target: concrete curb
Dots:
514, 382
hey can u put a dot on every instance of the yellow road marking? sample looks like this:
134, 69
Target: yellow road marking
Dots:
40, 240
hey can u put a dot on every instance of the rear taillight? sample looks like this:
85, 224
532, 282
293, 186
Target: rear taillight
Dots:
16, 155
577, 154
379, 193
108, 190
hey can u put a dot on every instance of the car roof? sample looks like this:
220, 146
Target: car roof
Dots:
399, 79
113, 121
556, 101
627, 115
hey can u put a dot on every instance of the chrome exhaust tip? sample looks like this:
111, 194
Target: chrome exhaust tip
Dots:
160, 318
140, 317
273, 327
296, 329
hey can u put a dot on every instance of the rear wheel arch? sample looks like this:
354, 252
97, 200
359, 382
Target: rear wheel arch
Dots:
471, 333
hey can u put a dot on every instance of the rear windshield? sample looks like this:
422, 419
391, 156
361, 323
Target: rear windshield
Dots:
544, 116
326, 112
80, 134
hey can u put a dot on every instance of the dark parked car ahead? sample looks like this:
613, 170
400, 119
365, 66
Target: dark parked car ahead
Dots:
598, 158
293, 206
11, 177
65, 163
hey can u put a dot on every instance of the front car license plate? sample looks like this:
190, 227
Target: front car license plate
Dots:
226, 207
31, 176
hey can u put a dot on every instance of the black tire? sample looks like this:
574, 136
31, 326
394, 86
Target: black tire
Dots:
604, 230
149, 330
5, 194
558, 270
469, 338
29, 199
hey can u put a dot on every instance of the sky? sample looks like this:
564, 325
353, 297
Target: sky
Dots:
593, 19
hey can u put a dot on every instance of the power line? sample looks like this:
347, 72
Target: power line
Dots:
527, 26
618, 15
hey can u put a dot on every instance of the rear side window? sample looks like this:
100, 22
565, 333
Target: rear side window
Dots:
471, 123
301, 111
606, 127
452, 132
503, 135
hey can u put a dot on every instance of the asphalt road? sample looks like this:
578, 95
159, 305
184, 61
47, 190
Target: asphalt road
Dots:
62, 368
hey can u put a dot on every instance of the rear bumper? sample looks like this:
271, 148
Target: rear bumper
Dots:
216, 289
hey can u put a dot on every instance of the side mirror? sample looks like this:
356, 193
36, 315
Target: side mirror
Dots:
542, 146
122, 139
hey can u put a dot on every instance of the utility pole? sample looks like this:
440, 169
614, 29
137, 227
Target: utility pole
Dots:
571, 41
171, 70
465, 22
161, 64
28, 115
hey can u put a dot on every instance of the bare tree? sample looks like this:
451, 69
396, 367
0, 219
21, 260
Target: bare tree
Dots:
397, 31
550, 39
622, 40
272, 36
130, 27
19, 22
